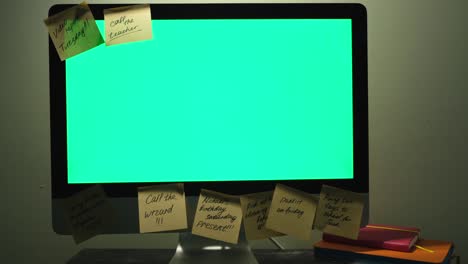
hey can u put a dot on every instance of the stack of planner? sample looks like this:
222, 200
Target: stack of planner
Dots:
385, 244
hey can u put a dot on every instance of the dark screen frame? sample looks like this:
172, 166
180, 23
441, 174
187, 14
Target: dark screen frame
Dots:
356, 12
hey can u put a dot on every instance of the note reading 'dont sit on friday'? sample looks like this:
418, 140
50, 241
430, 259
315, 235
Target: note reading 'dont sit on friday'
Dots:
292, 212
162, 208
218, 216
73, 31
339, 212
128, 24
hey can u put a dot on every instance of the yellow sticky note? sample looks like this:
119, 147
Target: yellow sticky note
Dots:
162, 208
292, 212
339, 212
88, 212
73, 31
127, 24
218, 216
255, 209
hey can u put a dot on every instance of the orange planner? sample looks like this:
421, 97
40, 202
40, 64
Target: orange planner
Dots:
433, 251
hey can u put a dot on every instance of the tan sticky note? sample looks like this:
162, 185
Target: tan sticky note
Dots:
89, 213
218, 216
255, 209
339, 212
128, 24
292, 212
162, 208
73, 31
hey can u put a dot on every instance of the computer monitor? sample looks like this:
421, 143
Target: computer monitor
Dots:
229, 97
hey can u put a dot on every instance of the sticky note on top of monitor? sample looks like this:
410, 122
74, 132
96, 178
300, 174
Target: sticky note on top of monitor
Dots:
73, 31
127, 24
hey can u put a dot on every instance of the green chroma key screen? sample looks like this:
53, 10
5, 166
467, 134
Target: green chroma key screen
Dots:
214, 100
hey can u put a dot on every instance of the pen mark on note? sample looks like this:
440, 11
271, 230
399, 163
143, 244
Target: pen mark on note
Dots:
114, 38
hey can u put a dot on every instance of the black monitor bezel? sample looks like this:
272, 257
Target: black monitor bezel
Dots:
356, 12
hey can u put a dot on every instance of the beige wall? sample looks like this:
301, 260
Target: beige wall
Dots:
418, 69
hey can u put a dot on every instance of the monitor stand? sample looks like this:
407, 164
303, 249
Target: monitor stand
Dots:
195, 249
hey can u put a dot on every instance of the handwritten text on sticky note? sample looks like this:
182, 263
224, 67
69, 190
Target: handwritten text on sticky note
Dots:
292, 212
162, 208
255, 208
339, 212
89, 213
73, 31
128, 24
218, 216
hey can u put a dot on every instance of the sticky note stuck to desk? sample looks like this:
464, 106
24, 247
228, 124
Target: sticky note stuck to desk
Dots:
339, 212
292, 212
162, 208
218, 216
128, 24
89, 213
73, 31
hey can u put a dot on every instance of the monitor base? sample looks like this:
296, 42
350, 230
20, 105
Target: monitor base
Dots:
154, 256
194, 249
